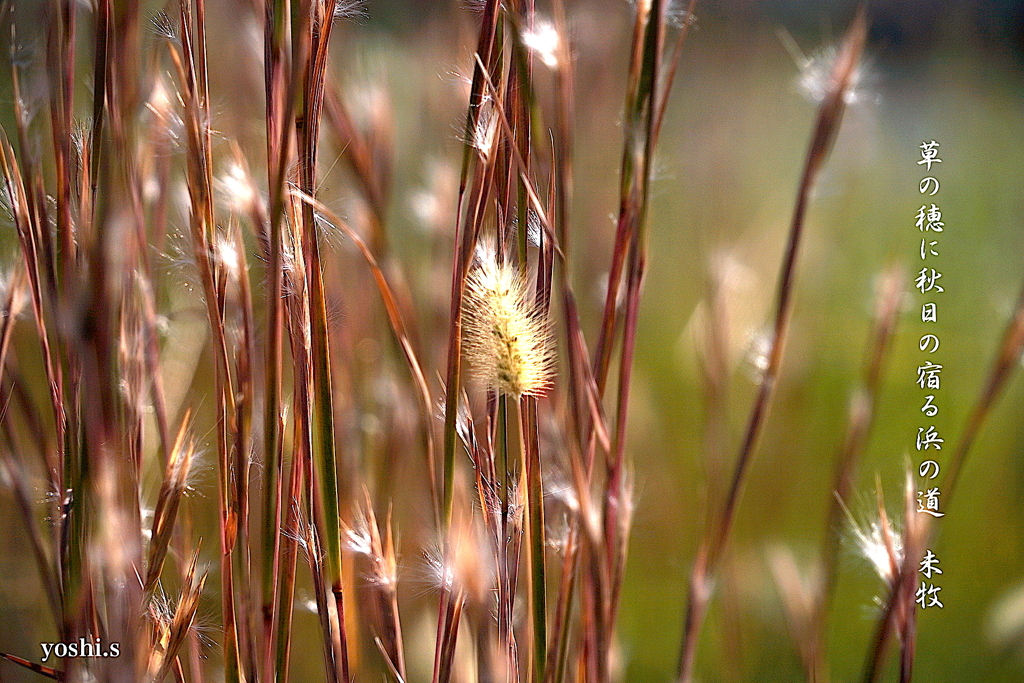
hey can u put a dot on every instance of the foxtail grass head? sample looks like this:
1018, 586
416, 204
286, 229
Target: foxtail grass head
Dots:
507, 338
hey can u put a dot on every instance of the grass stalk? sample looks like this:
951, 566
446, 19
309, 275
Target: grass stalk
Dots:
465, 239
531, 468
901, 596
829, 115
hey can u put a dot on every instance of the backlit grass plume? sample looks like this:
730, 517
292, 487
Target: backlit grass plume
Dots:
507, 338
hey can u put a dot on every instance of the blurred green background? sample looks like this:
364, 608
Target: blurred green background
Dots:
727, 169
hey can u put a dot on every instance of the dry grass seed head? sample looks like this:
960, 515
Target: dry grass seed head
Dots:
508, 341
879, 540
543, 40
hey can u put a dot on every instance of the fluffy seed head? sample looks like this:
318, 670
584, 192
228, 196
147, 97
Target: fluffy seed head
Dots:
880, 542
485, 132
507, 340
237, 189
544, 41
